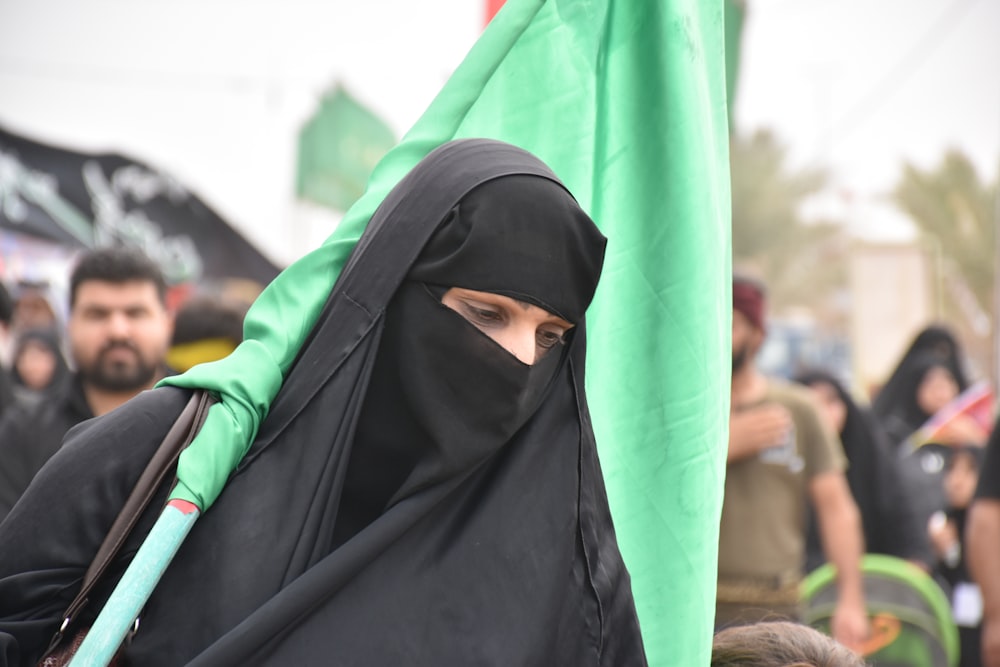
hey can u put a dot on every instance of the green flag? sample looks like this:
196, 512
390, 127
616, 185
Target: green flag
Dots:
626, 101
735, 12
338, 149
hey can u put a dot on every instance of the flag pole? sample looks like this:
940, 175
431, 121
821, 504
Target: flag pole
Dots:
120, 614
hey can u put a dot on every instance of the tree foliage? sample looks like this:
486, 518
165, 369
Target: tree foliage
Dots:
957, 211
796, 259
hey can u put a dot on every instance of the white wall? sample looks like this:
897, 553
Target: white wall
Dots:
891, 303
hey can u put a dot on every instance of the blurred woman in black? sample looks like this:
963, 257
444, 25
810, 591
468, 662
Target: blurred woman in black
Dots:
883, 494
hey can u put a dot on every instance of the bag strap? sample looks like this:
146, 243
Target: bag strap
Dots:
178, 437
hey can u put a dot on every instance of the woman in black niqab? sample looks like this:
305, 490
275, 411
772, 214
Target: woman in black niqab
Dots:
31, 384
417, 494
885, 496
901, 413
896, 406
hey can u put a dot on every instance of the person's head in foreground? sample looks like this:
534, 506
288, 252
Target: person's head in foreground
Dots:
425, 488
779, 644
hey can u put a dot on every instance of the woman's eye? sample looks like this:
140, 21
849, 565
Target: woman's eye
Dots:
487, 316
548, 339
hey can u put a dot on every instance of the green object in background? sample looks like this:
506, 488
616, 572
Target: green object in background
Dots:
626, 102
735, 11
909, 613
338, 149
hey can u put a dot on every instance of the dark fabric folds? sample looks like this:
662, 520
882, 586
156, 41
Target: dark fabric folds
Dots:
472, 550
52, 534
517, 254
43, 426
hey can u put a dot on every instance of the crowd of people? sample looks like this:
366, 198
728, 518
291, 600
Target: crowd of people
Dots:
896, 479
430, 448
119, 339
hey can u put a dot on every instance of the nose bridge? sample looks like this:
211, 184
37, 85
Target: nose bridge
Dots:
118, 323
519, 340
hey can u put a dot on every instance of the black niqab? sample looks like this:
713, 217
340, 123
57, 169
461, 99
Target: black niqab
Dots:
443, 395
371, 522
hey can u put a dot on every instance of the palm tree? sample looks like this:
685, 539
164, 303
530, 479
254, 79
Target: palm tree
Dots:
803, 263
956, 212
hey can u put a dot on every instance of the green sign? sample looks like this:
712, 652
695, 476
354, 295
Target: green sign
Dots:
338, 148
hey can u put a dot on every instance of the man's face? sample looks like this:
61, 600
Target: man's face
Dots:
119, 334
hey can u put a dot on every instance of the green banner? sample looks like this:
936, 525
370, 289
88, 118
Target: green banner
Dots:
338, 149
735, 18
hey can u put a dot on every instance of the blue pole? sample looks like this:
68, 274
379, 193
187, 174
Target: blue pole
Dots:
136, 585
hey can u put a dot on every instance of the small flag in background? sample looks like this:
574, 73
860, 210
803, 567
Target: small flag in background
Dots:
975, 403
338, 149
492, 7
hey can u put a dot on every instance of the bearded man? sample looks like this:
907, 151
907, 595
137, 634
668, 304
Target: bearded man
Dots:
781, 457
119, 331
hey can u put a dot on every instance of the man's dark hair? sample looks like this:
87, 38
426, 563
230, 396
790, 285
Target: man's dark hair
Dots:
207, 316
118, 264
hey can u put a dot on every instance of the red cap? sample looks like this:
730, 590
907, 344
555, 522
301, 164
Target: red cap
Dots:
748, 298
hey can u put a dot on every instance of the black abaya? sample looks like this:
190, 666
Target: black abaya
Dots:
486, 541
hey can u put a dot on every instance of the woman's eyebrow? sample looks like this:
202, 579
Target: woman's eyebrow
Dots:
524, 304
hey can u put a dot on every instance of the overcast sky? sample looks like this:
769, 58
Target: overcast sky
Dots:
214, 91
861, 86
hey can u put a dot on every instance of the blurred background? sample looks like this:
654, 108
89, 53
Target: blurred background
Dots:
865, 147
865, 154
